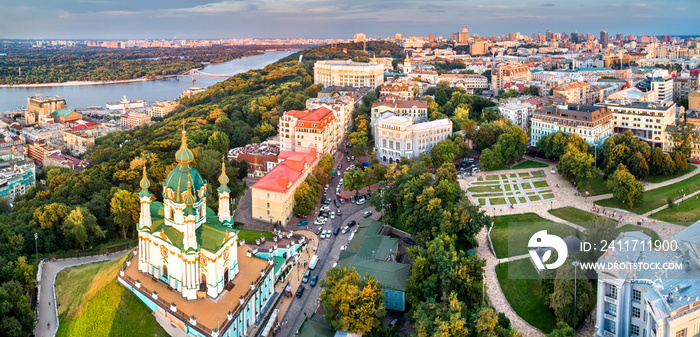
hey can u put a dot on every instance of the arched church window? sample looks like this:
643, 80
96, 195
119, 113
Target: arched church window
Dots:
171, 214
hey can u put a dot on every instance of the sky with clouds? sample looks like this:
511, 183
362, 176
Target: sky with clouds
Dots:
126, 19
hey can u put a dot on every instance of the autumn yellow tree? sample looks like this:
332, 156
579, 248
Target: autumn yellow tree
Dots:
351, 304
125, 206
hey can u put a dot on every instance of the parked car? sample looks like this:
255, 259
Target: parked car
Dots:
341, 181
319, 231
345, 229
323, 235
336, 231
325, 208
328, 233
347, 159
409, 241
318, 222
332, 215
337, 203
366, 214
314, 279
306, 277
367, 196
300, 291
303, 222
338, 213
352, 223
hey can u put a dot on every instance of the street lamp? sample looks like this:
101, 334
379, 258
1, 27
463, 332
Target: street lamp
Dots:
551, 205
575, 264
36, 245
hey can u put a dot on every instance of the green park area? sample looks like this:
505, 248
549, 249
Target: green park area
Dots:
656, 198
635, 228
662, 178
684, 213
92, 303
250, 235
578, 216
512, 188
521, 286
529, 164
519, 228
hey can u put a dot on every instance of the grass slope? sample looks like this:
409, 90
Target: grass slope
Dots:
662, 178
578, 216
529, 164
685, 213
656, 198
522, 228
94, 304
521, 286
633, 228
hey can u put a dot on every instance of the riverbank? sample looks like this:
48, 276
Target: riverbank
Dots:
71, 83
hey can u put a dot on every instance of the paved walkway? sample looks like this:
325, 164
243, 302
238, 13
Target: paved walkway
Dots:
493, 291
46, 302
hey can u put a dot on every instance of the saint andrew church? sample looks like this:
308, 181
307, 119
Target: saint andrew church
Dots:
181, 241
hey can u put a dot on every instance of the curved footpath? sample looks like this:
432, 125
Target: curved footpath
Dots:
46, 280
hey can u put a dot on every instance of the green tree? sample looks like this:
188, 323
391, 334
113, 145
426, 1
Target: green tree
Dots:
491, 159
326, 163
351, 304
447, 171
443, 152
304, 199
242, 169
685, 138
81, 226
450, 318
224, 124
441, 98
562, 299
125, 209
624, 186
562, 330
578, 167
657, 162
4, 205
219, 142
18, 317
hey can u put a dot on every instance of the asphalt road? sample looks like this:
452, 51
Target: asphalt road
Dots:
328, 253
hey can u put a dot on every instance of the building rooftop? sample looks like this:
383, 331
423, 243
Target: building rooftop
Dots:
432, 124
63, 112
281, 178
638, 105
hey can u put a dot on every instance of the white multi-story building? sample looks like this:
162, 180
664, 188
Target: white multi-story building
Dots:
301, 131
518, 113
342, 107
645, 302
593, 123
348, 73
16, 180
660, 81
468, 82
648, 121
417, 110
397, 136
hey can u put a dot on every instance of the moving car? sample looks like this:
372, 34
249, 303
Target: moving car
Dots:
366, 214
314, 279
306, 277
313, 262
303, 222
300, 291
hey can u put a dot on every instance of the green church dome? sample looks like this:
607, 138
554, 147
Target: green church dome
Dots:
177, 181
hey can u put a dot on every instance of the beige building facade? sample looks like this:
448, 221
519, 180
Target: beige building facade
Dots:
348, 74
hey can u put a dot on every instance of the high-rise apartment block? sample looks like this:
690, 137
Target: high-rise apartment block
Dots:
509, 72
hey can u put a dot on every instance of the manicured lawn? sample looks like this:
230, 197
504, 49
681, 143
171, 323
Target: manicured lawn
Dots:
251, 235
539, 184
482, 201
498, 201
578, 216
507, 188
501, 168
522, 199
598, 186
634, 228
486, 195
522, 227
94, 304
535, 198
529, 164
658, 179
480, 179
482, 189
526, 186
492, 177
685, 213
538, 174
512, 200
521, 286
548, 196
657, 197
515, 187
524, 174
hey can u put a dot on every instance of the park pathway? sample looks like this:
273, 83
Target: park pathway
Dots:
493, 289
47, 315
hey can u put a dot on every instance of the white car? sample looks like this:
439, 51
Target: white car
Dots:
345, 229
327, 233
323, 235
341, 181
332, 215
325, 208
318, 222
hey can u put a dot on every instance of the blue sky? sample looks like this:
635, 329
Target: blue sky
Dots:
123, 19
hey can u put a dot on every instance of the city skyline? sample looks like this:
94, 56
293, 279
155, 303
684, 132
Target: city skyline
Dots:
199, 19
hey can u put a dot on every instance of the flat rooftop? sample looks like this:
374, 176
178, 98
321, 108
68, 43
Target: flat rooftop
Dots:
209, 312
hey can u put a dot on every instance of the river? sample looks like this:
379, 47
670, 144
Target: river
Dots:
83, 96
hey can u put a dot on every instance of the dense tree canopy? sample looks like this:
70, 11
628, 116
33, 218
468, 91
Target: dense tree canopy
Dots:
352, 303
